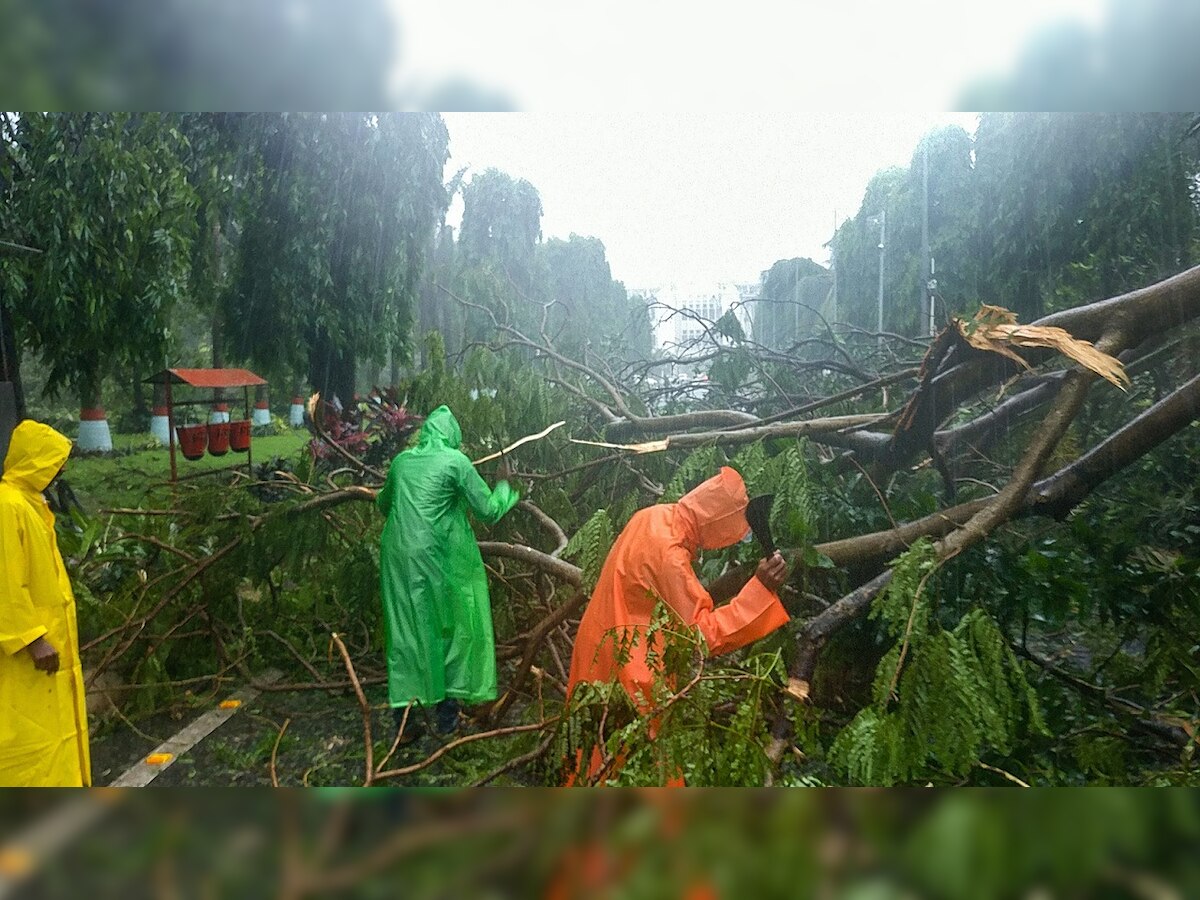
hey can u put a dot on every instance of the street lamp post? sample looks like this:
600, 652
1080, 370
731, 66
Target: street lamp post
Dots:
883, 250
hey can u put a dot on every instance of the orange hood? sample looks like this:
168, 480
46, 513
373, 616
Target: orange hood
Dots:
713, 514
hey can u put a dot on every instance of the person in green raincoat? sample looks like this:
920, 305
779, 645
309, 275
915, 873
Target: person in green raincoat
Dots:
43, 720
437, 615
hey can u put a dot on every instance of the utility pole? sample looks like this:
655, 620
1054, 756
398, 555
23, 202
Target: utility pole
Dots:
926, 262
795, 306
882, 261
932, 295
833, 268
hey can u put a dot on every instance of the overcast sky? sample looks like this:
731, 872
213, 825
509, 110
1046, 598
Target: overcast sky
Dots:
695, 194
687, 197
752, 55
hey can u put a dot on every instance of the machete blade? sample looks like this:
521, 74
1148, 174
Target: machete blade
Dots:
758, 514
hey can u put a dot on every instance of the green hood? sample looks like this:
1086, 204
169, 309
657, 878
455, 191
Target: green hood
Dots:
441, 430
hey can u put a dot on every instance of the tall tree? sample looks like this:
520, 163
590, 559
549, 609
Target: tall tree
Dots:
1038, 212
342, 211
502, 222
1080, 206
104, 196
590, 309
793, 291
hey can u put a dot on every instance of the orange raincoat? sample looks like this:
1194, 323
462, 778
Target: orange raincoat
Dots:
43, 721
652, 560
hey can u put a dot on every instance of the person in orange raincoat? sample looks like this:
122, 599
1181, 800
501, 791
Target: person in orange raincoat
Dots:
652, 560
43, 720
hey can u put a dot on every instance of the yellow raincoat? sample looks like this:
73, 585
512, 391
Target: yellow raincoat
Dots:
43, 720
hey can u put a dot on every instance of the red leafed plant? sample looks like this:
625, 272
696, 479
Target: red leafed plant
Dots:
373, 428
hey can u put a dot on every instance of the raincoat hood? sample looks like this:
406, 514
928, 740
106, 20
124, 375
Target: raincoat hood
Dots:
714, 512
35, 455
441, 430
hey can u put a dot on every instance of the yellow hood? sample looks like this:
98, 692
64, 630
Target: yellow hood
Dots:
35, 455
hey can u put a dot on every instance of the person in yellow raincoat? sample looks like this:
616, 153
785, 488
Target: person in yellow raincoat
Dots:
651, 560
43, 720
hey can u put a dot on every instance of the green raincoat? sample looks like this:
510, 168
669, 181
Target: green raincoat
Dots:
436, 610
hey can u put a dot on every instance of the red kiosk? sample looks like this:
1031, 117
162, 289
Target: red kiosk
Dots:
217, 437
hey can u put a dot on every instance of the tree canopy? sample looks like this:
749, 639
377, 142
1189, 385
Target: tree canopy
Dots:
991, 532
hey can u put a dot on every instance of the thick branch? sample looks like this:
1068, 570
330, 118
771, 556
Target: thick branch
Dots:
1005, 504
561, 569
982, 431
815, 428
1057, 495
560, 537
1142, 313
716, 418
848, 394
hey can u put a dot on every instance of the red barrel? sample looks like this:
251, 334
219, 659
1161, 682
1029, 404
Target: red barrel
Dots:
218, 438
192, 439
239, 435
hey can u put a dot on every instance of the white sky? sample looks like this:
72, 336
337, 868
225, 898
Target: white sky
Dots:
697, 193
752, 55
683, 197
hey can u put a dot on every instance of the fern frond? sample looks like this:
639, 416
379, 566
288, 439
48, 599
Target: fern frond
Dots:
701, 464
589, 546
961, 692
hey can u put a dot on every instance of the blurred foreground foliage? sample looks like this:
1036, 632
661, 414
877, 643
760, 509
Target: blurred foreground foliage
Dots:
849, 845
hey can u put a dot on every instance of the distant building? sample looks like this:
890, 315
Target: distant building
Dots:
684, 313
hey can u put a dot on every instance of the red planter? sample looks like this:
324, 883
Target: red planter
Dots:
218, 438
192, 439
239, 435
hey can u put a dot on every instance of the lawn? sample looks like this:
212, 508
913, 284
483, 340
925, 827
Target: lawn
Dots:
137, 473
323, 744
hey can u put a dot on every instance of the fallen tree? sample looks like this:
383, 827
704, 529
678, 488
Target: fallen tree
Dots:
949, 422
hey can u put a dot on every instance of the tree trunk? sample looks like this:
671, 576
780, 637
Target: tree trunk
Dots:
160, 425
140, 412
10, 359
262, 406
331, 371
220, 410
296, 409
94, 433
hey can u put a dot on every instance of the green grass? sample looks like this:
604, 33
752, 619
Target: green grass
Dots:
139, 469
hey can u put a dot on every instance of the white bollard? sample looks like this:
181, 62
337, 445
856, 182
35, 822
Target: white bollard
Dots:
220, 413
93, 430
296, 412
159, 425
262, 413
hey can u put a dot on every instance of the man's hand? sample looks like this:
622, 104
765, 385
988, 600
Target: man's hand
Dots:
45, 657
504, 470
772, 571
